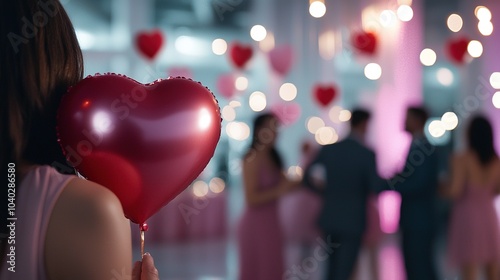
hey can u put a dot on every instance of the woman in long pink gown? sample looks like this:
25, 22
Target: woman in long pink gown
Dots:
260, 237
474, 233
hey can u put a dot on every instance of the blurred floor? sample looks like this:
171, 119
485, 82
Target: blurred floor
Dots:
217, 259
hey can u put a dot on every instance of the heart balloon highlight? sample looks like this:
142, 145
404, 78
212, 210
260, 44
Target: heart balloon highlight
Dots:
146, 143
281, 59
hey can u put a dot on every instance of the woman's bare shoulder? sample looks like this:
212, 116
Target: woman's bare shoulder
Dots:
86, 218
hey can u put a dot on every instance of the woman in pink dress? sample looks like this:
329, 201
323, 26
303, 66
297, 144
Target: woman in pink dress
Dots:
474, 233
260, 237
65, 227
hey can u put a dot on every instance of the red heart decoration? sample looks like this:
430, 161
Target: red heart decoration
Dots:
146, 143
240, 54
365, 42
149, 43
456, 48
324, 94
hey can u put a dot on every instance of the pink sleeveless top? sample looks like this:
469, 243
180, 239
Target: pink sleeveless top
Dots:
35, 198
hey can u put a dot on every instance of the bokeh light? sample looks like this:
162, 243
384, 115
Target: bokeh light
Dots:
495, 80
496, 99
345, 115
444, 76
483, 13
200, 188
485, 28
257, 101
373, 71
314, 123
219, 46
234, 104
326, 44
241, 83
288, 91
405, 2
428, 57
238, 130
217, 185
387, 18
317, 9
326, 135
334, 114
449, 120
436, 128
475, 48
267, 44
405, 13
228, 113
295, 172
455, 22
258, 32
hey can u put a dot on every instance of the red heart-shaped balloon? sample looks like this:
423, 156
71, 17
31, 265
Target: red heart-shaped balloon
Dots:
324, 94
240, 54
146, 143
456, 48
149, 43
365, 42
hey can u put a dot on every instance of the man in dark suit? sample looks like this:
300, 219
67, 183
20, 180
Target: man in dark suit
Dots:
350, 176
417, 184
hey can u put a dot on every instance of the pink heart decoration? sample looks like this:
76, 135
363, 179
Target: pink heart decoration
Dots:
180, 72
287, 113
225, 85
281, 59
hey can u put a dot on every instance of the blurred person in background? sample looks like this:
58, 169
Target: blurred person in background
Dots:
351, 175
260, 236
417, 183
474, 230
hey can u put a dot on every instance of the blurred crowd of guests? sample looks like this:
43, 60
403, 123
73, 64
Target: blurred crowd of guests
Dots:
335, 203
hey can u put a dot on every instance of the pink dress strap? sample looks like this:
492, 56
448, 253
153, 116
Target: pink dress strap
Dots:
35, 198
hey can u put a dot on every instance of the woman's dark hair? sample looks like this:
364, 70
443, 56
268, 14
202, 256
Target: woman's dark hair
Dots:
420, 113
259, 136
480, 138
39, 59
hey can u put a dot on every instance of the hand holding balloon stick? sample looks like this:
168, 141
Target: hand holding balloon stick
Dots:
143, 228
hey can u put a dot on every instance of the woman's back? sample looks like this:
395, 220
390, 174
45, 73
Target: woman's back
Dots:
67, 228
474, 226
480, 180
34, 201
